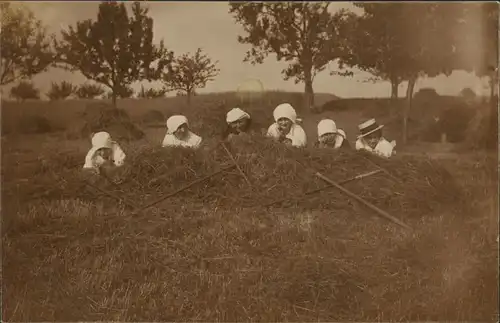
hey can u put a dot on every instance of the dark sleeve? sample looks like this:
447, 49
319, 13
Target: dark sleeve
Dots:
226, 133
345, 144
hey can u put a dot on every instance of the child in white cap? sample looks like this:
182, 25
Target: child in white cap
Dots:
179, 135
238, 122
104, 152
329, 136
285, 129
371, 139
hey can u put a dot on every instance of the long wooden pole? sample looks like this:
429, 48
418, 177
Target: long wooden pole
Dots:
111, 195
328, 186
182, 189
366, 203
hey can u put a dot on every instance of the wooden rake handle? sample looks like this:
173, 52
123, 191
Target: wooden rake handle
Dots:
362, 201
182, 189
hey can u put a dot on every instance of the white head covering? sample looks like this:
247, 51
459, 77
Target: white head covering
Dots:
326, 126
236, 114
101, 140
174, 122
285, 110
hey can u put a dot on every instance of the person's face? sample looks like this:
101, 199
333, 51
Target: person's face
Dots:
373, 138
284, 125
104, 153
182, 131
239, 125
328, 138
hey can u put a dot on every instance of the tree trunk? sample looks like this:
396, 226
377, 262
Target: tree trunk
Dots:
308, 89
394, 87
188, 97
407, 109
113, 98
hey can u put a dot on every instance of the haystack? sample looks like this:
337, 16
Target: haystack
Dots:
422, 187
482, 129
34, 124
154, 117
104, 117
452, 121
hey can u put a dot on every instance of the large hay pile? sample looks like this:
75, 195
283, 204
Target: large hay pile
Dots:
415, 189
104, 117
212, 253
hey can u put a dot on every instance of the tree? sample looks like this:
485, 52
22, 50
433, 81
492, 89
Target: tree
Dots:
151, 93
25, 90
403, 41
115, 49
304, 34
190, 72
61, 91
25, 46
122, 93
89, 91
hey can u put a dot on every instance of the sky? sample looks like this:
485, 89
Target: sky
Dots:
185, 26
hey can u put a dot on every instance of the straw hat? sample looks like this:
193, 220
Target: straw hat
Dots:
368, 127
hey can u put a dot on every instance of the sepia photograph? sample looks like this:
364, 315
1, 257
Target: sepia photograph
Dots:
230, 161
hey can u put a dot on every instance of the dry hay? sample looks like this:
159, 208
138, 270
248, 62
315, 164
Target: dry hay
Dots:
274, 172
104, 117
32, 124
211, 253
155, 117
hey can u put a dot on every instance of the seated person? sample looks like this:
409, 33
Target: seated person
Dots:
238, 122
331, 137
285, 129
179, 135
371, 139
104, 153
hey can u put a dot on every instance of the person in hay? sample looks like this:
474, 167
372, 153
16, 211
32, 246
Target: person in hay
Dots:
238, 122
179, 134
285, 128
329, 136
371, 139
104, 153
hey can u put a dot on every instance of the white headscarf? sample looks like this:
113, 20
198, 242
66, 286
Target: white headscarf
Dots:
103, 140
285, 110
297, 135
170, 140
327, 126
174, 122
236, 114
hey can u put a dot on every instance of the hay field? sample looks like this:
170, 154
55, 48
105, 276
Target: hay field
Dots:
214, 253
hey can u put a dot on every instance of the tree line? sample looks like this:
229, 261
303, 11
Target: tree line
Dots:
395, 42
114, 50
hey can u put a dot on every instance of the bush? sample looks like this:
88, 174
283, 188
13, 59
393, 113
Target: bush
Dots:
154, 117
104, 117
34, 125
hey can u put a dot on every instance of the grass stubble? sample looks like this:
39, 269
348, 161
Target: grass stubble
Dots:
211, 254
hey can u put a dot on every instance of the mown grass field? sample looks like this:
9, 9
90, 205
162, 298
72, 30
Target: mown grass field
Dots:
70, 258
